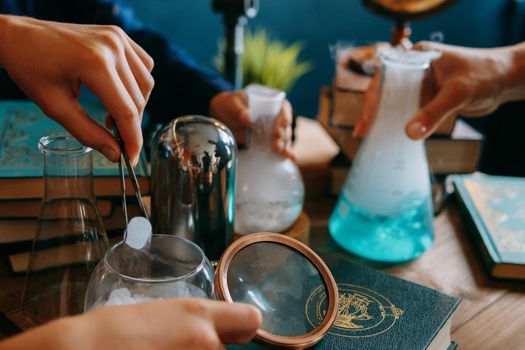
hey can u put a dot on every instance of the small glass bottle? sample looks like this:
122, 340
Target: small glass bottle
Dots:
70, 239
384, 212
269, 192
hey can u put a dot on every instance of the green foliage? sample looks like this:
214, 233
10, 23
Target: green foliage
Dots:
269, 61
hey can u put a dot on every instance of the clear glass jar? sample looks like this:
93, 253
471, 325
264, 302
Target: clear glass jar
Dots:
169, 267
269, 191
384, 212
70, 239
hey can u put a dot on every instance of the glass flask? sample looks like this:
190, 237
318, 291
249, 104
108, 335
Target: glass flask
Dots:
384, 212
70, 239
168, 267
269, 192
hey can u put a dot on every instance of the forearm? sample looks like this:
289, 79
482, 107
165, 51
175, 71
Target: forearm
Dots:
56, 335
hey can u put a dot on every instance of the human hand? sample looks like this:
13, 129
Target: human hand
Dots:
466, 81
231, 108
49, 61
462, 81
166, 324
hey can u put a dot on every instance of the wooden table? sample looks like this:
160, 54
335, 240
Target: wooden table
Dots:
491, 314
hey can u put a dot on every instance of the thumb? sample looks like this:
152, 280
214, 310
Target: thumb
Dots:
66, 110
447, 102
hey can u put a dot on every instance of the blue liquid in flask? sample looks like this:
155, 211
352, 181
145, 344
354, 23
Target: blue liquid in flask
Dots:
396, 238
384, 212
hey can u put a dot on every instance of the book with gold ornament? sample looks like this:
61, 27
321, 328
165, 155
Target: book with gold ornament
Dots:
380, 311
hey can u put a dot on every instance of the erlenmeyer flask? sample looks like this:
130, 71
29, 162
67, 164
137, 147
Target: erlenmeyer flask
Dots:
269, 192
70, 238
384, 212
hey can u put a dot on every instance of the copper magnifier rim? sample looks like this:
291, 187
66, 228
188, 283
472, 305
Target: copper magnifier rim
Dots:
292, 342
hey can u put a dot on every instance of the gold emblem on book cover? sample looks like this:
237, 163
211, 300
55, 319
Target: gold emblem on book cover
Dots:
362, 312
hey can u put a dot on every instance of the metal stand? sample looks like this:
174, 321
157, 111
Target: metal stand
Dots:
235, 14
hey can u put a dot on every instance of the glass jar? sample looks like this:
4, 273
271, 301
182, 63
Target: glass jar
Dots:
70, 239
269, 192
169, 267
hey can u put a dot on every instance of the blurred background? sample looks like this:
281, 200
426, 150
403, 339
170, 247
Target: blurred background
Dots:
318, 24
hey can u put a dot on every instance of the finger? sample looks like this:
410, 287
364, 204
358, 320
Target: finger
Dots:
370, 105
235, 322
285, 115
146, 59
428, 88
128, 79
65, 109
108, 122
241, 135
424, 46
448, 101
282, 132
232, 110
141, 73
115, 98
282, 141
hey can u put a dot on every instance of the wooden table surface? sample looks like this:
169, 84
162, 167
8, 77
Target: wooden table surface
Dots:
491, 314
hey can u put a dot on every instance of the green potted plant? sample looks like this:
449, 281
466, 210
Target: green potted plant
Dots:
269, 61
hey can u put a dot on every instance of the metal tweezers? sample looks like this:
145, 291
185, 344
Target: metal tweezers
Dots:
131, 173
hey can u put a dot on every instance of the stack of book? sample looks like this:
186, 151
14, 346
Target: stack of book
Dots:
22, 124
454, 148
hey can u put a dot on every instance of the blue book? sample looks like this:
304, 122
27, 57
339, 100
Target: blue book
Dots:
494, 210
22, 124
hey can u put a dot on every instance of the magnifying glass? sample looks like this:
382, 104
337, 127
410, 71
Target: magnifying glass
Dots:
278, 275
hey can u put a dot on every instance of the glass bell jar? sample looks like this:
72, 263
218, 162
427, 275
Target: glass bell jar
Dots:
70, 239
384, 212
269, 191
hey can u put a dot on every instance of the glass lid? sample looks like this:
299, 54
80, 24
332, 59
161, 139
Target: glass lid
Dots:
278, 275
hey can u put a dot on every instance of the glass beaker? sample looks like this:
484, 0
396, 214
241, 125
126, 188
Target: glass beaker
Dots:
170, 267
70, 239
269, 192
384, 212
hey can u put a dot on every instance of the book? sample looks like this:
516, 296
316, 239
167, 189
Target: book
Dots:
16, 235
494, 210
22, 124
380, 311
459, 153
30, 208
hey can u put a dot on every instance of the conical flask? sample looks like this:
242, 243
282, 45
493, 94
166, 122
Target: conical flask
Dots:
384, 212
70, 238
269, 192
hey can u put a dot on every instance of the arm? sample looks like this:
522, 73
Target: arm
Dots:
182, 85
50, 60
167, 324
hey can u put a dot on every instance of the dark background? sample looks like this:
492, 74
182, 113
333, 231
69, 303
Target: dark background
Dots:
321, 23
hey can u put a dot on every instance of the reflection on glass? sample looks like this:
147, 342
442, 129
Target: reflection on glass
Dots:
277, 280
